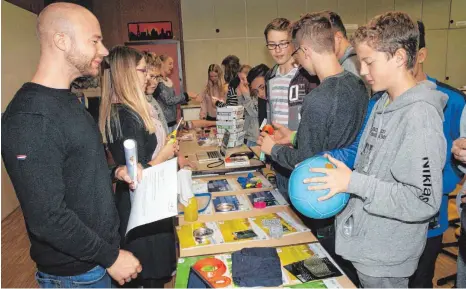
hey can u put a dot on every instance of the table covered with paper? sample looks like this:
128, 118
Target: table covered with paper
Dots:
303, 260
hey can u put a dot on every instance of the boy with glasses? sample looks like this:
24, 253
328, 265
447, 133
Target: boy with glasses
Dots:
286, 87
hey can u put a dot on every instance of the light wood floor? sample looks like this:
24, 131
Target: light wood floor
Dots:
18, 268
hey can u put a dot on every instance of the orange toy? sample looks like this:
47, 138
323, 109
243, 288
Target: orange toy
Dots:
269, 129
212, 270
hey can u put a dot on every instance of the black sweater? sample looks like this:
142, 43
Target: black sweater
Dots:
132, 127
54, 155
331, 117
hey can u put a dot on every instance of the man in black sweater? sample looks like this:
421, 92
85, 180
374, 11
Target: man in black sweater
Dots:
54, 156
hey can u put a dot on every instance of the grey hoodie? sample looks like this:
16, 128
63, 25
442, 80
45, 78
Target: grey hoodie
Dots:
397, 184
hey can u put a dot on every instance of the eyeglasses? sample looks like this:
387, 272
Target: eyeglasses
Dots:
155, 76
255, 92
144, 71
281, 45
296, 51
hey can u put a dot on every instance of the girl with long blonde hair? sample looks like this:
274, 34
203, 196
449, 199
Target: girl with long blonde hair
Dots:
216, 89
126, 114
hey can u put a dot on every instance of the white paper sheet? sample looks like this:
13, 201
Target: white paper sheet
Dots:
156, 196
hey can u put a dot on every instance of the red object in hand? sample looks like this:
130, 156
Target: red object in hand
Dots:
268, 129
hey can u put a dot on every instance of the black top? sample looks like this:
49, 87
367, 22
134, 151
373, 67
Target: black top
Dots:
132, 127
331, 117
53, 152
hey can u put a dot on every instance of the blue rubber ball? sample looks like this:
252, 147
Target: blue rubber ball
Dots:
305, 201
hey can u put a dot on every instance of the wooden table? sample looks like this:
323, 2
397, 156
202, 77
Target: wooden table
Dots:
189, 149
286, 240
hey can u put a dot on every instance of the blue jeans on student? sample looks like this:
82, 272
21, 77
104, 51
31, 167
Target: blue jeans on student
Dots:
251, 143
95, 278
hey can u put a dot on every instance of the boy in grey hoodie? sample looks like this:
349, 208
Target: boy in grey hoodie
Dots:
397, 183
459, 152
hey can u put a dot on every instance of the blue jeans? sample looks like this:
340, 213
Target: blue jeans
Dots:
251, 143
95, 278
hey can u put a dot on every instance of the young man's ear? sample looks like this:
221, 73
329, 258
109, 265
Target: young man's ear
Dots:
421, 55
338, 37
306, 51
401, 57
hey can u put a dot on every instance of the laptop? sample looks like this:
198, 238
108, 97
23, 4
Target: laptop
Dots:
217, 155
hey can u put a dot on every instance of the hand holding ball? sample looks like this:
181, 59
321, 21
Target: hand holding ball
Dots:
306, 201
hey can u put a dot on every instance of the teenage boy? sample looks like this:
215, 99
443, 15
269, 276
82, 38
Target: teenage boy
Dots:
396, 187
286, 87
343, 48
459, 152
424, 274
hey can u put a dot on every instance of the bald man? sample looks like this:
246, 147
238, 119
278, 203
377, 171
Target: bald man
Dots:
53, 152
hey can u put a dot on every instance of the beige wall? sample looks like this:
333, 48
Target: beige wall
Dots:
240, 25
20, 55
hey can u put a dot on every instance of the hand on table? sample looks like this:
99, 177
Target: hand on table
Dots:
215, 99
336, 180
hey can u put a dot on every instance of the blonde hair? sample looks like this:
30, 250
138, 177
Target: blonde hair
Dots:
221, 84
164, 57
152, 60
245, 66
119, 84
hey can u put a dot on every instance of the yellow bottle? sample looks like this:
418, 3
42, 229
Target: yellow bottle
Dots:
190, 211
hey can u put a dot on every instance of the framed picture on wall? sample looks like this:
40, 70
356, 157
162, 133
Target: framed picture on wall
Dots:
144, 31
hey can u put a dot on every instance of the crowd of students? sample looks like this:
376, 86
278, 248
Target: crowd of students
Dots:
393, 133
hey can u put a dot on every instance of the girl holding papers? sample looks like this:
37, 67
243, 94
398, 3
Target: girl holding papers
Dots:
126, 114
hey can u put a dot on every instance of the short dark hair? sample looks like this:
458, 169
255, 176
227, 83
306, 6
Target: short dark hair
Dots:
389, 32
257, 71
422, 34
336, 22
278, 24
316, 28
232, 66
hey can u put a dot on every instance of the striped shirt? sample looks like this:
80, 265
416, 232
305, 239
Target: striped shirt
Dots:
278, 97
232, 98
